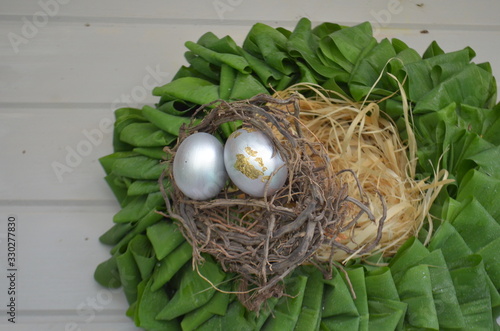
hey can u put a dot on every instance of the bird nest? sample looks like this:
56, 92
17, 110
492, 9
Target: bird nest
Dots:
263, 240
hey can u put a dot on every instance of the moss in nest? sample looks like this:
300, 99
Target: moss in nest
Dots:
265, 239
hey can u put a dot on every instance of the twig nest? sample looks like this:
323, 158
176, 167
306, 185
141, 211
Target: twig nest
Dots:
263, 239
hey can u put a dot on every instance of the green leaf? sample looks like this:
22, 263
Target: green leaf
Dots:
408, 256
483, 188
183, 72
267, 75
386, 314
118, 186
491, 259
380, 285
168, 123
124, 117
484, 239
107, 274
268, 43
419, 73
130, 275
115, 233
171, 264
157, 153
144, 187
209, 70
194, 291
148, 306
415, 289
306, 75
368, 69
138, 227
340, 323
165, 236
258, 318
470, 280
310, 312
225, 44
177, 107
286, 312
190, 89
218, 305
450, 242
303, 44
107, 162
139, 207
357, 279
145, 135
233, 320
443, 292
472, 215
491, 132
487, 161
143, 254
246, 86
342, 48
466, 87
432, 50
337, 299
138, 167
324, 29
228, 75
234, 61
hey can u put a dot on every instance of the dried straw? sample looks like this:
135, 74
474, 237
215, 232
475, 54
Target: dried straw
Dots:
359, 137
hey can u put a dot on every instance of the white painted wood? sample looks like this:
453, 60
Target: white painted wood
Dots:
57, 249
114, 64
53, 243
82, 62
387, 12
52, 153
121, 325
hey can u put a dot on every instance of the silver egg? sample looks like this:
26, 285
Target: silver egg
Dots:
198, 166
252, 163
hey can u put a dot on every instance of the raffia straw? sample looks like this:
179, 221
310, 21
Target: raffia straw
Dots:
357, 136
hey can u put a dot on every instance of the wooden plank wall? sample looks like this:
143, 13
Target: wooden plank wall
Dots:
66, 65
